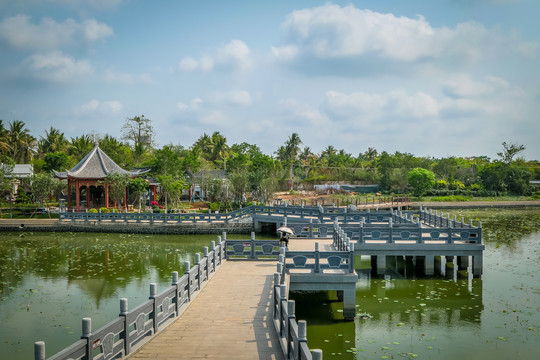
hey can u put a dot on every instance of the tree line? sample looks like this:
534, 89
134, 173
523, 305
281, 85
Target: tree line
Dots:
250, 171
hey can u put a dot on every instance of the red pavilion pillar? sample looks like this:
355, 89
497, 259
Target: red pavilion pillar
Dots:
107, 196
77, 195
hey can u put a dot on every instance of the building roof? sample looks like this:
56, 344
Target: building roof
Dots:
96, 165
19, 170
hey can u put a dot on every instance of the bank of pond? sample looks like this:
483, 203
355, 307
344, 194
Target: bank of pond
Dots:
50, 281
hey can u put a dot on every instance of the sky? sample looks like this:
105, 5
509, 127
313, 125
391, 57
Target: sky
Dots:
432, 78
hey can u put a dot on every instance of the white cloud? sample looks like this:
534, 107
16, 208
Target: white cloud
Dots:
55, 67
96, 4
93, 106
113, 76
233, 98
234, 55
332, 31
285, 53
18, 31
373, 107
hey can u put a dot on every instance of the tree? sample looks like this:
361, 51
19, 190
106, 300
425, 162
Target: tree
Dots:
53, 141
42, 185
420, 180
446, 168
138, 186
5, 147
509, 151
239, 185
167, 161
171, 188
117, 186
289, 153
22, 142
80, 146
55, 161
191, 163
139, 130
385, 165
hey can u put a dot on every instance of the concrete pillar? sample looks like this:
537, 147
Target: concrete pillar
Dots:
477, 265
463, 262
381, 264
429, 265
349, 303
39, 350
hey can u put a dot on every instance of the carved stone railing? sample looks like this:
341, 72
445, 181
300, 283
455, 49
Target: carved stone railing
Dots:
292, 334
135, 327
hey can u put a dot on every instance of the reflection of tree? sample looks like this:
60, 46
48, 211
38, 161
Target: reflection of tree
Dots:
100, 264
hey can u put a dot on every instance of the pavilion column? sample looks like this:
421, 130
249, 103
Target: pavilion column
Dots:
154, 192
77, 195
125, 199
69, 194
107, 196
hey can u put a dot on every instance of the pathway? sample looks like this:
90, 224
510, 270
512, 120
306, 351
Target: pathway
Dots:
230, 319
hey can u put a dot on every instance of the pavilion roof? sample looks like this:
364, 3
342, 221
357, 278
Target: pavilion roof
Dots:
96, 165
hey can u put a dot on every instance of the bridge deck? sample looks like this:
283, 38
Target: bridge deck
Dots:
230, 319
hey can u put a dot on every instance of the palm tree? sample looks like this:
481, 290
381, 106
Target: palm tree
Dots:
292, 150
80, 146
53, 141
205, 146
22, 142
221, 150
5, 147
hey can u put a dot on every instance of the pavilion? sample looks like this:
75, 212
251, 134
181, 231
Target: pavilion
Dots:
86, 180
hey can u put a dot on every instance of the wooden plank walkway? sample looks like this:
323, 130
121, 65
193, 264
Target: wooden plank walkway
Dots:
229, 319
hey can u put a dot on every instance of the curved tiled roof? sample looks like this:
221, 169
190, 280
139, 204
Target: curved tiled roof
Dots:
95, 165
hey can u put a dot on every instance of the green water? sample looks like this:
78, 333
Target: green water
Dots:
49, 282
403, 315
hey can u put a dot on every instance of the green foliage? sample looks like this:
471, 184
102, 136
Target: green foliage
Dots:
441, 184
42, 187
117, 186
56, 161
103, 210
214, 206
420, 180
456, 185
93, 211
22, 198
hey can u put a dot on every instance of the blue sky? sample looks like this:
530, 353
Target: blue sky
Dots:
433, 78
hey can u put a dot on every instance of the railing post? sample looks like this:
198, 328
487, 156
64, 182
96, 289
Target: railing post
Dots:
291, 317
197, 263
316, 354
302, 336
39, 350
282, 299
187, 267
252, 255
86, 333
205, 254
317, 259
124, 313
153, 292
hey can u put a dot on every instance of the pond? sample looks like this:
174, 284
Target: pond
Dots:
449, 316
50, 281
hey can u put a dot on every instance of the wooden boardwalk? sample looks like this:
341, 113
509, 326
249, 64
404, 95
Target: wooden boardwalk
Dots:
229, 319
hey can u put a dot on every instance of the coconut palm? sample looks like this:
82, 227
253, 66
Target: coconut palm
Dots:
23, 144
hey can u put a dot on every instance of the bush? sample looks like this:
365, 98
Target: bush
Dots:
475, 187
213, 206
456, 185
440, 185
93, 211
104, 210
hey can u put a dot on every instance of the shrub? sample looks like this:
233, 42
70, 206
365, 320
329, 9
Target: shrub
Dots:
92, 211
104, 210
441, 184
456, 185
213, 206
475, 187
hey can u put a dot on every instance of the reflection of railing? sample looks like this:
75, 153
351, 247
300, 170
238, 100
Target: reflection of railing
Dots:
291, 333
135, 327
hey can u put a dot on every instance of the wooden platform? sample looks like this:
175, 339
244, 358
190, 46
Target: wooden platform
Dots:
230, 319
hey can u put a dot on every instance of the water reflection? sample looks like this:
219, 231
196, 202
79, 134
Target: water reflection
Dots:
49, 282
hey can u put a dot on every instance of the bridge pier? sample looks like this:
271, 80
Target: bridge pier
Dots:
344, 284
429, 265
